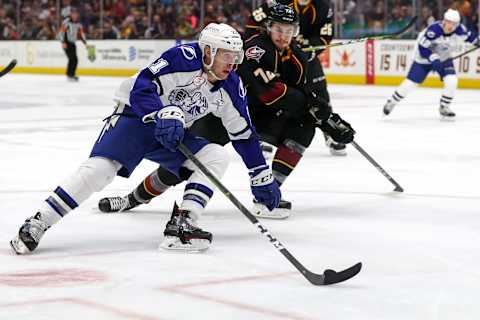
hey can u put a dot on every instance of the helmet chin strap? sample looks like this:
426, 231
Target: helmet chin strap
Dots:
210, 72
208, 68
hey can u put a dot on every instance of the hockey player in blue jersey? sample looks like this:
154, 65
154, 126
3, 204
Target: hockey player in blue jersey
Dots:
433, 52
154, 110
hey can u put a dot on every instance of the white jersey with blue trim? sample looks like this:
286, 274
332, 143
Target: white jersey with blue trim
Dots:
433, 43
177, 78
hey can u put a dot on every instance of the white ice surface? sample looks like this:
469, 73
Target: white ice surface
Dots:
420, 249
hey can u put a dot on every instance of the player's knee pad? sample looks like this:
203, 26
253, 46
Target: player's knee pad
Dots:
214, 157
450, 83
405, 87
92, 176
98, 172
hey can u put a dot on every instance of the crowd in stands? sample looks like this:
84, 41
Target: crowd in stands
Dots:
361, 17
181, 19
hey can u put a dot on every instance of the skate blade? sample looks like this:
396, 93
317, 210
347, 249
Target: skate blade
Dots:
277, 214
18, 247
170, 243
338, 153
447, 118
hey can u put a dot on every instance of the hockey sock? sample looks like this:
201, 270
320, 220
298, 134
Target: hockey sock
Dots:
195, 198
396, 97
151, 187
56, 206
445, 101
405, 87
199, 188
449, 87
286, 158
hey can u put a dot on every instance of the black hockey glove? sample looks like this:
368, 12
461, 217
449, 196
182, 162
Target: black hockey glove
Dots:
340, 130
319, 108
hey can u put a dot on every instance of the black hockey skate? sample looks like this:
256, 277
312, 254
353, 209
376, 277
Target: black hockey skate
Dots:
118, 204
388, 107
446, 113
285, 204
72, 79
182, 234
29, 235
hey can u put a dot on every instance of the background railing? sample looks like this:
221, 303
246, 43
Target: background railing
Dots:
182, 19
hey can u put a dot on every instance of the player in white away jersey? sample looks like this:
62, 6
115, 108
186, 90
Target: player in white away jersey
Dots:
154, 111
435, 45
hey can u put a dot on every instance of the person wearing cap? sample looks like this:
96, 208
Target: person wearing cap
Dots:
433, 52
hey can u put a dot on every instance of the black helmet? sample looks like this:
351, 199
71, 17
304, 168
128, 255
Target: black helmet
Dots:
283, 14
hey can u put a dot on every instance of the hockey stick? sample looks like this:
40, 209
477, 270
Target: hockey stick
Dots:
8, 68
398, 188
476, 47
328, 277
379, 37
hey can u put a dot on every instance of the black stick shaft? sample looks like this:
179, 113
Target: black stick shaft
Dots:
379, 168
466, 52
8, 68
184, 149
378, 37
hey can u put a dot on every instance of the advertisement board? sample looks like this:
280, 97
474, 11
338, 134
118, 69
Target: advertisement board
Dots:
384, 62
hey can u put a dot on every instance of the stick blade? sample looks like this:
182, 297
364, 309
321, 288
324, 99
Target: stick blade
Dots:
398, 189
331, 276
9, 67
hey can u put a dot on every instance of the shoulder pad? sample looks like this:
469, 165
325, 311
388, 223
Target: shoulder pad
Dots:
183, 58
434, 31
461, 30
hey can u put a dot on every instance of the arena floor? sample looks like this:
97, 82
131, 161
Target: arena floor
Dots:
420, 249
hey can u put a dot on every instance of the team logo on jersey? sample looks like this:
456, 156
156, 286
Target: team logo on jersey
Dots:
430, 34
254, 53
241, 90
198, 81
193, 105
111, 121
188, 52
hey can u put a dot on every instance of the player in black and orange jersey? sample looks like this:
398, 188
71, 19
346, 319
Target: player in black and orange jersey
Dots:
316, 28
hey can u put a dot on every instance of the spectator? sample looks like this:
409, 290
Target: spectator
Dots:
110, 31
427, 17
156, 30
129, 30
47, 30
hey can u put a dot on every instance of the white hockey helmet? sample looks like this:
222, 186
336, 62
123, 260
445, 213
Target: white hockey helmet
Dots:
452, 15
221, 36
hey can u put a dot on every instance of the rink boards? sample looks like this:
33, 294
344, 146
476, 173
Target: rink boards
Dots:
373, 62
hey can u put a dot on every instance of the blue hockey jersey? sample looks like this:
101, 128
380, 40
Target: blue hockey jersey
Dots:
177, 78
433, 43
